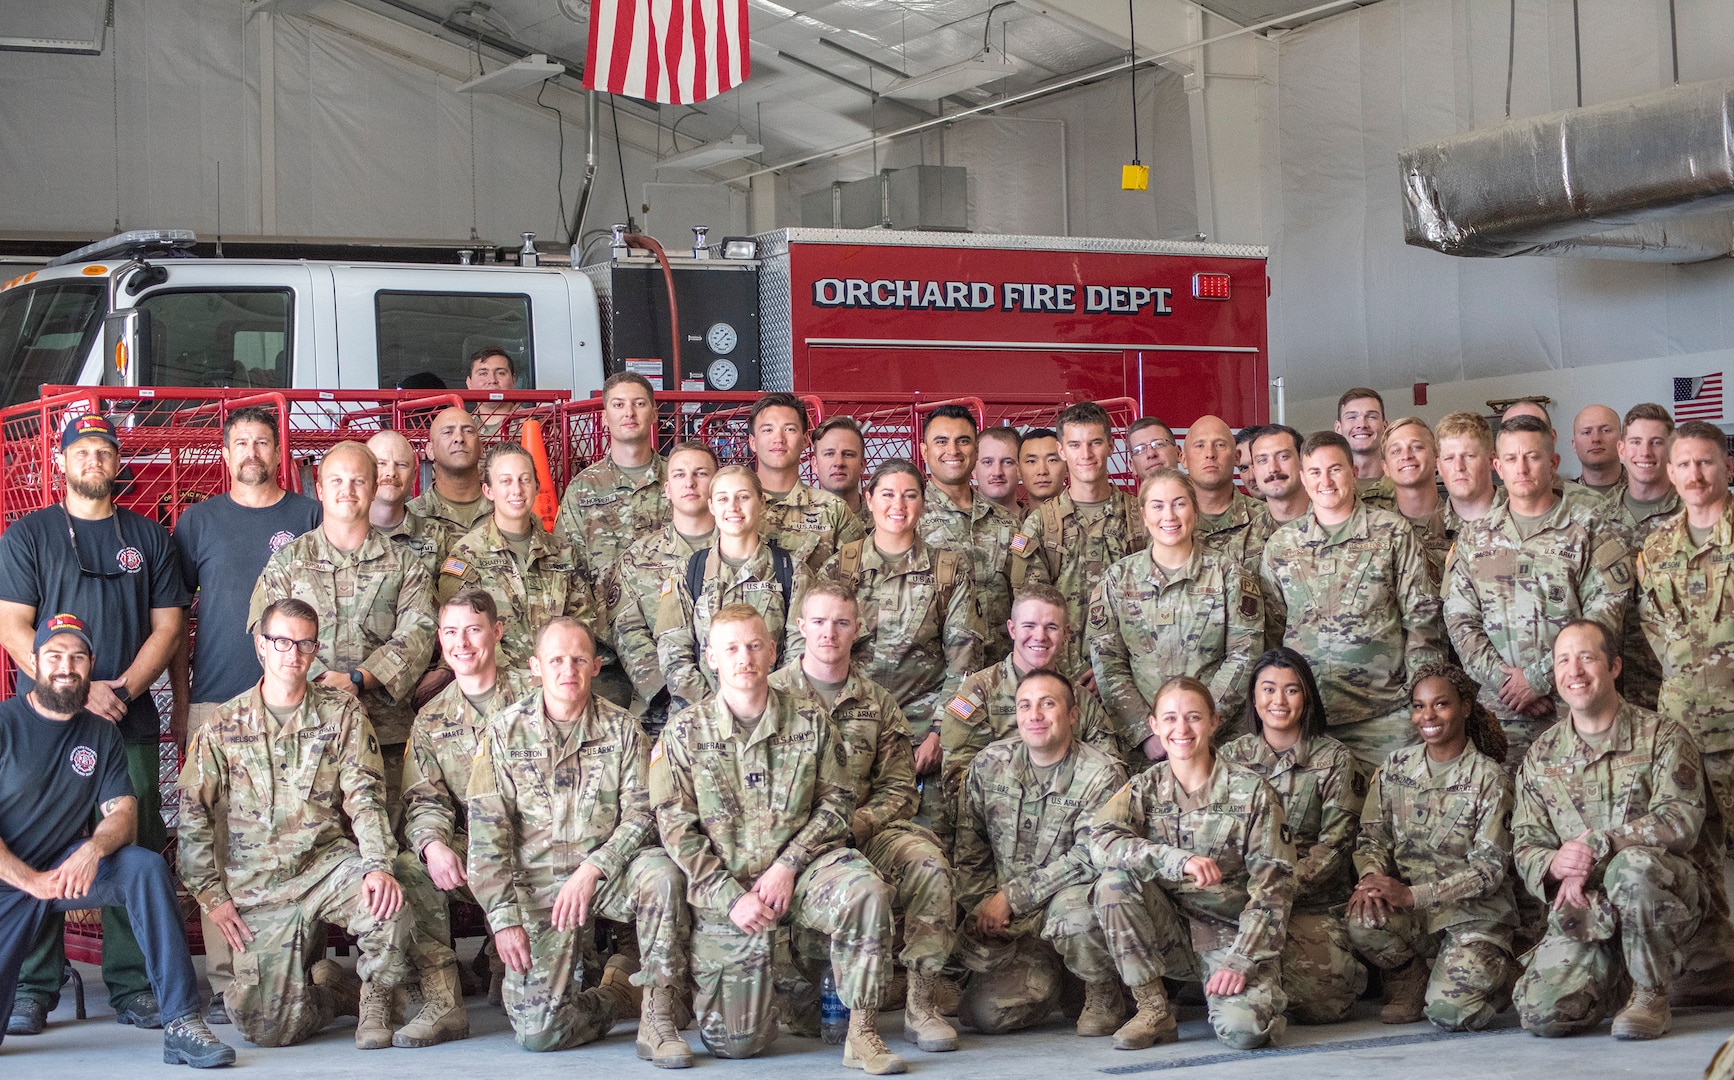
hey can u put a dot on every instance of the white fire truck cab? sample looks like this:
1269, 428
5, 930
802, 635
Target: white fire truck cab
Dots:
139, 310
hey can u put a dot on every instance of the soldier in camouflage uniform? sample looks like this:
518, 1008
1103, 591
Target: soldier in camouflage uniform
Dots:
1176, 608
618, 500
839, 460
1466, 469
1361, 423
1516, 576
921, 633
298, 770
1070, 541
985, 709
1433, 862
1644, 500
1321, 787
1276, 464
1412, 467
957, 515
1346, 587
373, 598
1024, 872
753, 800
1196, 883
426, 538
532, 575
875, 737
454, 445
1230, 523
636, 584
1608, 827
808, 523
740, 567
561, 832
436, 768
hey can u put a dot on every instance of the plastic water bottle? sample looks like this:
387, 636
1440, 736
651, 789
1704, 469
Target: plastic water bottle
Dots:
833, 1017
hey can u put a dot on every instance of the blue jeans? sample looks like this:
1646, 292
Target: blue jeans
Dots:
131, 878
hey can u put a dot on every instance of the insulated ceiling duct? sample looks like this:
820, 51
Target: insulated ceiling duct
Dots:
1648, 179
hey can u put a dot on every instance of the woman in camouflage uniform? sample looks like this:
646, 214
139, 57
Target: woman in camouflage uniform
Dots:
1434, 860
1321, 788
921, 634
1191, 890
739, 567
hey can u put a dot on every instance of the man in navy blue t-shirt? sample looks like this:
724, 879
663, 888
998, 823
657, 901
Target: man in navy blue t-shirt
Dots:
59, 764
115, 570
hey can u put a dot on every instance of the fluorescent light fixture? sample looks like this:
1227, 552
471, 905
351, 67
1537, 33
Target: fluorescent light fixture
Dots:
283, 7
978, 70
703, 157
516, 75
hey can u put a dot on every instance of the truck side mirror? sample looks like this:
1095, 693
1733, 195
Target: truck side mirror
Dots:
126, 336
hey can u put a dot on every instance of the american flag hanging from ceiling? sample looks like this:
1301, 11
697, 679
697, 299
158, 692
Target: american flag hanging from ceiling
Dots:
676, 52
1699, 398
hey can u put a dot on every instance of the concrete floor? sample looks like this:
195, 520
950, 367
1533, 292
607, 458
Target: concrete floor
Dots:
1360, 1049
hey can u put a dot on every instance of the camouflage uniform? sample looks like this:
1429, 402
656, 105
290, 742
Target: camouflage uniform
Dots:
1640, 796
985, 711
436, 783
882, 766
1641, 678
1377, 491
985, 531
1027, 835
683, 620
1686, 604
730, 803
632, 589
920, 630
456, 520
428, 539
602, 513
1506, 598
295, 797
1436, 540
1158, 922
1070, 548
1321, 787
551, 581
1360, 610
1448, 837
1238, 532
540, 808
375, 607
811, 524
1148, 624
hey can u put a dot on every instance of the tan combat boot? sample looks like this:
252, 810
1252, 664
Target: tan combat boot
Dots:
1405, 993
1153, 1023
373, 1017
617, 986
922, 1023
442, 1017
1104, 1008
340, 986
1645, 1016
864, 1049
659, 1040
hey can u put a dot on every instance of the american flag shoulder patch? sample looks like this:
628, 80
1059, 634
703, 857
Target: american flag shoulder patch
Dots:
667, 586
1019, 542
960, 707
656, 751
455, 567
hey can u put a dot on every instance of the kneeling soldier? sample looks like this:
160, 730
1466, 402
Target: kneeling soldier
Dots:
561, 831
754, 798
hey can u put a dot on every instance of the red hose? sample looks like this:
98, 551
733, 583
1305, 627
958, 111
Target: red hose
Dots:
646, 243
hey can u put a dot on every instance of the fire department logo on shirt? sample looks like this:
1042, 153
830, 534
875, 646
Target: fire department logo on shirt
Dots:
83, 760
130, 559
278, 539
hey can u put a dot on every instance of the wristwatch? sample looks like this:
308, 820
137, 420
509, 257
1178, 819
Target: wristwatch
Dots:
123, 694
358, 679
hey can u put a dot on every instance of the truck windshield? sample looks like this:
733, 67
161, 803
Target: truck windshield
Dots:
46, 332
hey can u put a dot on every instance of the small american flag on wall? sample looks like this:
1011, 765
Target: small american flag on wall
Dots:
672, 51
1699, 398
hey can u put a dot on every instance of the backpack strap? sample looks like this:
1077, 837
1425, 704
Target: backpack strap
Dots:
783, 566
849, 560
945, 569
695, 568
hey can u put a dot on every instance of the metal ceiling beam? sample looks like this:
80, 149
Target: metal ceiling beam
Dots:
851, 84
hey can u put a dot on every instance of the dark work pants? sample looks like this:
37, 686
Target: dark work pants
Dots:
134, 879
123, 962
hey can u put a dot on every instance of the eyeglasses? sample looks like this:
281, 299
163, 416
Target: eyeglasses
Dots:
1157, 444
305, 646
78, 556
